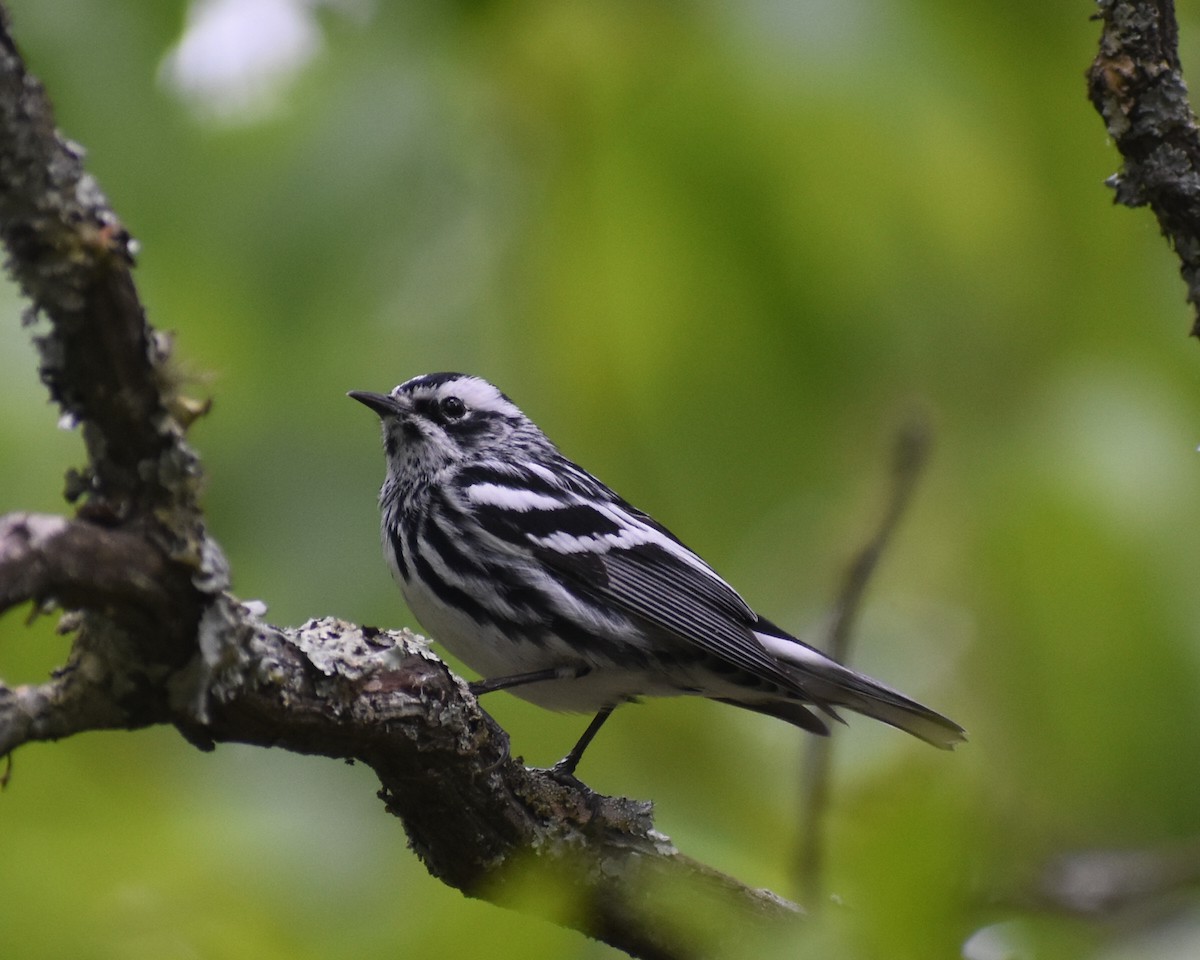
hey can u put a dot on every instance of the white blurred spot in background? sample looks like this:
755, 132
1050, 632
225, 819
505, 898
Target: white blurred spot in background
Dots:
236, 59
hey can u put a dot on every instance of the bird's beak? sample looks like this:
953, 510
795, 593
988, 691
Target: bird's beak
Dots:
382, 404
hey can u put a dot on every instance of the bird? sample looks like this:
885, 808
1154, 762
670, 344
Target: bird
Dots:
547, 583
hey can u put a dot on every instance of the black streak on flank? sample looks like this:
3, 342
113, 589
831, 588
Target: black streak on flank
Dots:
453, 556
398, 551
452, 596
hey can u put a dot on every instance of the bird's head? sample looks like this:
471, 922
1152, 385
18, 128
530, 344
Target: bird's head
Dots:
441, 420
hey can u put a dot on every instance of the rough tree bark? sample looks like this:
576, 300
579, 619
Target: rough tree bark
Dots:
1136, 84
158, 638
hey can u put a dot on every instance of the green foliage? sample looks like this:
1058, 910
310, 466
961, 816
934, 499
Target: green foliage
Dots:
719, 251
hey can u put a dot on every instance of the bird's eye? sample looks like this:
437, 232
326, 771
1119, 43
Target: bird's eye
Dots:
453, 408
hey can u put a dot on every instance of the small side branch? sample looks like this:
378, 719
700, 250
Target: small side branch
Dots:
908, 460
909, 456
80, 565
1136, 84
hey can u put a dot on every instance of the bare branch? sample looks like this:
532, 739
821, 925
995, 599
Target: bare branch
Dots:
71, 256
80, 565
475, 815
1137, 86
70, 704
909, 457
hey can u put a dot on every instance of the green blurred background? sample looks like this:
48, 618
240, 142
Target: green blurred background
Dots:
721, 250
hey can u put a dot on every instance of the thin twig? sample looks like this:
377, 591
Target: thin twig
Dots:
910, 455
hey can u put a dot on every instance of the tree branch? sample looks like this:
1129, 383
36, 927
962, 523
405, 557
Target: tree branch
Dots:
474, 815
1136, 84
43, 558
158, 638
908, 460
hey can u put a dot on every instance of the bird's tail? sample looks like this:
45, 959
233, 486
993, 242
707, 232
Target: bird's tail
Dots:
829, 685
860, 693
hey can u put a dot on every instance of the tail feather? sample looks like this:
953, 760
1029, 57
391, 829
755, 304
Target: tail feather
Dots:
829, 684
872, 699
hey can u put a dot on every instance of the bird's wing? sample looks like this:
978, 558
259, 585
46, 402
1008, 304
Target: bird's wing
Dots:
616, 556
655, 585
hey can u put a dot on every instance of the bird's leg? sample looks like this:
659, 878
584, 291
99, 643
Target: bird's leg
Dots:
480, 687
565, 768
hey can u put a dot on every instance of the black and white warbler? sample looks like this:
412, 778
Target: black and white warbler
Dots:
543, 580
